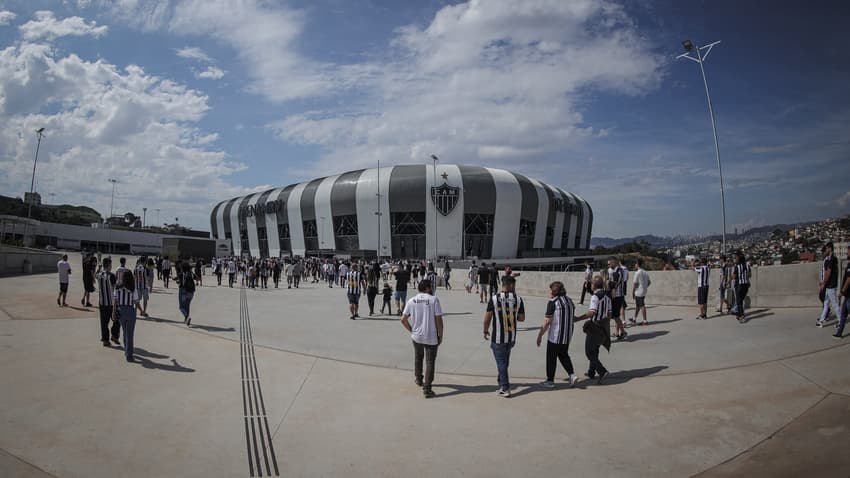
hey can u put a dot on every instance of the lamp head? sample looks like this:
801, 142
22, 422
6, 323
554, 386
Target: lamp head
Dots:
689, 46
40, 130
434, 157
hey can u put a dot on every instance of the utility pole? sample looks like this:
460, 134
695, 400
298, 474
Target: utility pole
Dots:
39, 133
111, 210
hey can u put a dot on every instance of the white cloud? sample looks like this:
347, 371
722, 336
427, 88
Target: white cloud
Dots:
193, 53
6, 17
46, 26
211, 73
844, 200
102, 121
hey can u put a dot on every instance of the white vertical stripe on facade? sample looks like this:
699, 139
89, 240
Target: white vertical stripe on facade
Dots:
560, 218
450, 227
542, 214
219, 220
367, 206
296, 225
234, 227
325, 228
571, 232
585, 228
271, 226
508, 214
251, 221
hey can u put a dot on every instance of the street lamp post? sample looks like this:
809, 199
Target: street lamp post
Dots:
39, 133
111, 204
436, 233
144, 215
700, 58
322, 234
378, 212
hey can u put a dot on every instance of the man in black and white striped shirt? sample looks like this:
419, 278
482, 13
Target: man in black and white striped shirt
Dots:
617, 292
597, 329
558, 322
725, 281
354, 283
741, 281
504, 310
702, 270
431, 275
105, 288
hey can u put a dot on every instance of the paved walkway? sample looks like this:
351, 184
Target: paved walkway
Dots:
280, 382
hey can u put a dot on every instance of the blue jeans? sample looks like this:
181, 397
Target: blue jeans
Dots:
502, 353
842, 315
127, 318
829, 298
184, 298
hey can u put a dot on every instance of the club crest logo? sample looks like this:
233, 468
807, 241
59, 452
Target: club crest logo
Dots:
445, 197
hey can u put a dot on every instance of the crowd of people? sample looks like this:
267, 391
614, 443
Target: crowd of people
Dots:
125, 292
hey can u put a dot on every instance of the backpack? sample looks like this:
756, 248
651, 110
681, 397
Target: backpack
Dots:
189, 282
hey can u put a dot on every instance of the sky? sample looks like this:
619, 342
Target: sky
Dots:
190, 102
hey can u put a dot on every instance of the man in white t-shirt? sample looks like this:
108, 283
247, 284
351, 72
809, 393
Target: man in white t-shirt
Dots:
639, 289
426, 332
64, 276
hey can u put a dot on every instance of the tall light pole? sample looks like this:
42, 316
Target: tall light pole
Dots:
322, 234
436, 234
144, 215
700, 58
378, 212
158, 224
111, 204
39, 133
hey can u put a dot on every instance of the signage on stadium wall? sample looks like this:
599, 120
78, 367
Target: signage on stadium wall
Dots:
269, 207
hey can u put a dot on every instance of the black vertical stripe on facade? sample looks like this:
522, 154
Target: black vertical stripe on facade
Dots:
261, 223
568, 212
344, 194
407, 185
529, 198
578, 210
308, 200
283, 214
550, 221
243, 219
228, 228
213, 225
479, 190
589, 223
580, 223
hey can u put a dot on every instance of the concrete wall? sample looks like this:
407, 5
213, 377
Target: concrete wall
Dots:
12, 260
794, 285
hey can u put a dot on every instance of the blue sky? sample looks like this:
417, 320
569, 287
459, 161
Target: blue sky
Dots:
188, 102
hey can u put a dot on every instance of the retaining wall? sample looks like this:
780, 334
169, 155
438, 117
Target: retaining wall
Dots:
12, 260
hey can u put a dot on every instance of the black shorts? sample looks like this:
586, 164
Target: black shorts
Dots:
354, 299
616, 305
63, 287
702, 295
639, 302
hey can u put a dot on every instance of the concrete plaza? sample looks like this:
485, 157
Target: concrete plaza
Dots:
327, 396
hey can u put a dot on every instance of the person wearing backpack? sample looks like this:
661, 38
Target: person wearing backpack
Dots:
186, 282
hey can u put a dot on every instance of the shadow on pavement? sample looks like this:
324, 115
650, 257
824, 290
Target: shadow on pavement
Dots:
645, 335
208, 328
143, 358
659, 322
758, 316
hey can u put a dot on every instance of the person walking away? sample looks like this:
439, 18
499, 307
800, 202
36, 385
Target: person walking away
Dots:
741, 281
504, 310
402, 278
472, 278
387, 293
166, 271
588, 276
199, 272
149, 274
558, 326
121, 270
141, 278
89, 267
426, 333
185, 292
217, 266
494, 279
343, 274
231, 272
483, 282
354, 282
287, 270
106, 289
447, 275
615, 289
829, 284
297, 270
64, 277
725, 276
124, 311
431, 275
702, 270
372, 278
845, 305
597, 329
639, 290
276, 273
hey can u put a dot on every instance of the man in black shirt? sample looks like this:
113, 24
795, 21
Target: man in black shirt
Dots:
845, 293
402, 277
484, 282
828, 283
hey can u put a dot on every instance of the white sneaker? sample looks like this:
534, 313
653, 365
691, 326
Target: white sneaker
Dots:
573, 380
506, 393
547, 384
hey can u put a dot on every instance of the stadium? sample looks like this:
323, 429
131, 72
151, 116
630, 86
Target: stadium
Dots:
410, 211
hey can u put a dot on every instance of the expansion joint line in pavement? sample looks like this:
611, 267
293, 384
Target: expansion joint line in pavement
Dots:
258, 437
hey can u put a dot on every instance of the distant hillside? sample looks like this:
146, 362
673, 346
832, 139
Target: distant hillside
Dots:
660, 242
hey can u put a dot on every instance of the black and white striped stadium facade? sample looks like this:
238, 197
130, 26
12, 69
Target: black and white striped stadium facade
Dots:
469, 210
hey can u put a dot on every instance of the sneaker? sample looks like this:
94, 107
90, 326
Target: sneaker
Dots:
505, 392
352, 317
699, 317
106, 343
189, 322
622, 336
547, 384
418, 382
429, 393
838, 336
590, 376
573, 380
602, 377
819, 324
116, 341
